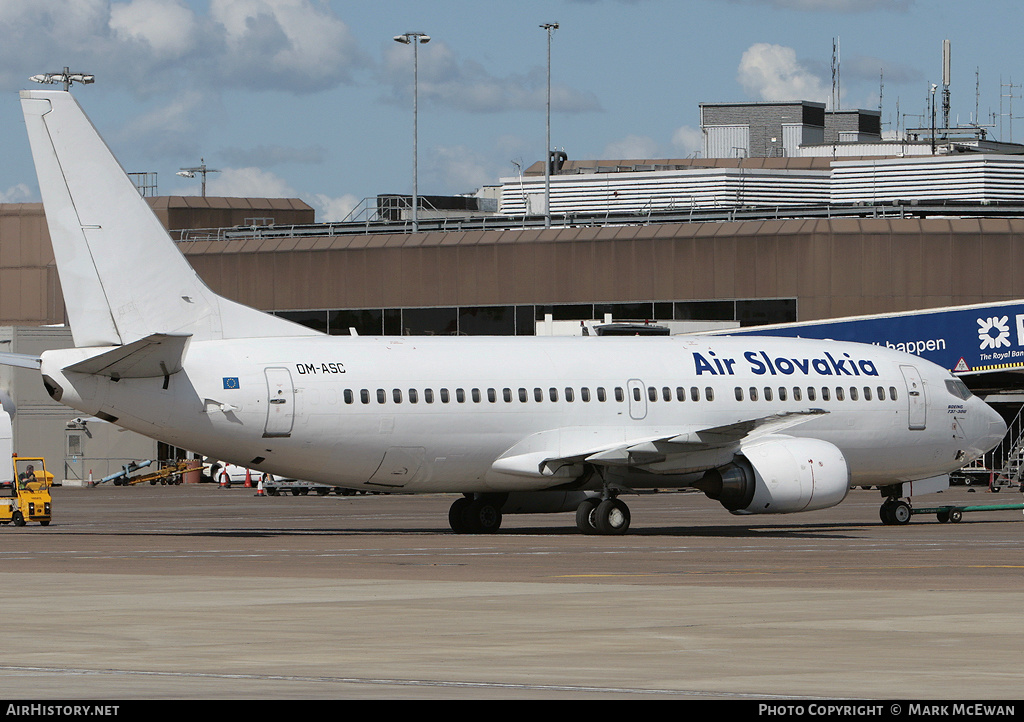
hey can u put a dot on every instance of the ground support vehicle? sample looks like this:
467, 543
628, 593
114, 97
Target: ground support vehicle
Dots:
29, 498
955, 513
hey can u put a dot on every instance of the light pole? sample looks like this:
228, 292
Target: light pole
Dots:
549, 28
414, 39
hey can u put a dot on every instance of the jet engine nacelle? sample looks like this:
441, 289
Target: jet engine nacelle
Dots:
780, 476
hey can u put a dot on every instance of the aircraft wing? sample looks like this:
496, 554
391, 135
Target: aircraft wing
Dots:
674, 451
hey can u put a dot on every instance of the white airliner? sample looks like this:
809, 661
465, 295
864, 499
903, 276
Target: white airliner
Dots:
513, 425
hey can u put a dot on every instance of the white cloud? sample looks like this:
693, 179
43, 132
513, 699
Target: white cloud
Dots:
772, 72
467, 85
166, 26
688, 140
295, 44
329, 209
632, 147
247, 183
19, 193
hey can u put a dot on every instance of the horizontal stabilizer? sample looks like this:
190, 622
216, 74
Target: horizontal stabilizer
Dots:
24, 361
159, 354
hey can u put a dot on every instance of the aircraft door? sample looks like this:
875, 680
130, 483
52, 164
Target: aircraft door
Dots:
636, 392
916, 400
280, 402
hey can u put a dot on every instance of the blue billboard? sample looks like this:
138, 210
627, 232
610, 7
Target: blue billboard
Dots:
974, 339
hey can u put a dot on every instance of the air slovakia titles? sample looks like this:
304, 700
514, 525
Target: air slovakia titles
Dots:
760, 364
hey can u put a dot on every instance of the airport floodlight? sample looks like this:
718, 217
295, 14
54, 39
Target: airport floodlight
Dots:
414, 39
200, 169
66, 77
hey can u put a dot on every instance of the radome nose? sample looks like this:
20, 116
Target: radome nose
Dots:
991, 428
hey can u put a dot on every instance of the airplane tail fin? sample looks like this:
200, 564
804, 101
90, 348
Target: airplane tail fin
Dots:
122, 276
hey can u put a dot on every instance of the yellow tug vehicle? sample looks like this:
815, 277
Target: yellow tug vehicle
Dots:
29, 495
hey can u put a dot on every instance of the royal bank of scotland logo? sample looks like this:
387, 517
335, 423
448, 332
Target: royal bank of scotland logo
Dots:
994, 332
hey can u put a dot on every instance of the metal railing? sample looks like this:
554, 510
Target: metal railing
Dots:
367, 221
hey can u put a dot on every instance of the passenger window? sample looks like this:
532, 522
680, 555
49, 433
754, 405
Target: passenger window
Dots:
364, 396
460, 396
881, 393
680, 393
413, 396
397, 393
636, 393
767, 393
538, 395
445, 398
782, 393
569, 395
507, 395
739, 394
601, 394
892, 393
840, 394
797, 393
694, 393
492, 395
709, 393
348, 396
753, 393
476, 396
853, 393
585, 394
553, 394
523, 395
811, 394
824, 393
652, 393
428, 395
619, 396
867, 393
381, 396
666, 393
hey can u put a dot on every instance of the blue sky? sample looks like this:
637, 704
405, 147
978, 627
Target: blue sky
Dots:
312, 98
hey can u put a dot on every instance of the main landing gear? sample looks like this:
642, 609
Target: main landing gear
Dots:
603, 516
480, 514
895, 512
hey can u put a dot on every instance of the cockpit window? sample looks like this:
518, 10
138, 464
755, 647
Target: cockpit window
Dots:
958, 388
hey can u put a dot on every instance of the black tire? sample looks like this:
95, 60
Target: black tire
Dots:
901, 513
885, 513
457, 515
585, 514
483, 517
943, 515
956, 515
18, 519
612, 517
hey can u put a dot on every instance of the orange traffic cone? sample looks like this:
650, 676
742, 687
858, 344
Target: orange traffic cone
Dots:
248, 479
259, 488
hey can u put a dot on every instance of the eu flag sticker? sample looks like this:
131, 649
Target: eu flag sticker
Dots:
231, 382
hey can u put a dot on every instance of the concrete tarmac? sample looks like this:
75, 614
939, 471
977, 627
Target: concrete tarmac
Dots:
195, 592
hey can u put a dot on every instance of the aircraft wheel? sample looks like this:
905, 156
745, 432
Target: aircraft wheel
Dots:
457, 515
955, 515
611, 517
900, 513
483, 516
585, 514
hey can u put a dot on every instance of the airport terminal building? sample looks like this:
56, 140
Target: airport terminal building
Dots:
742, 241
